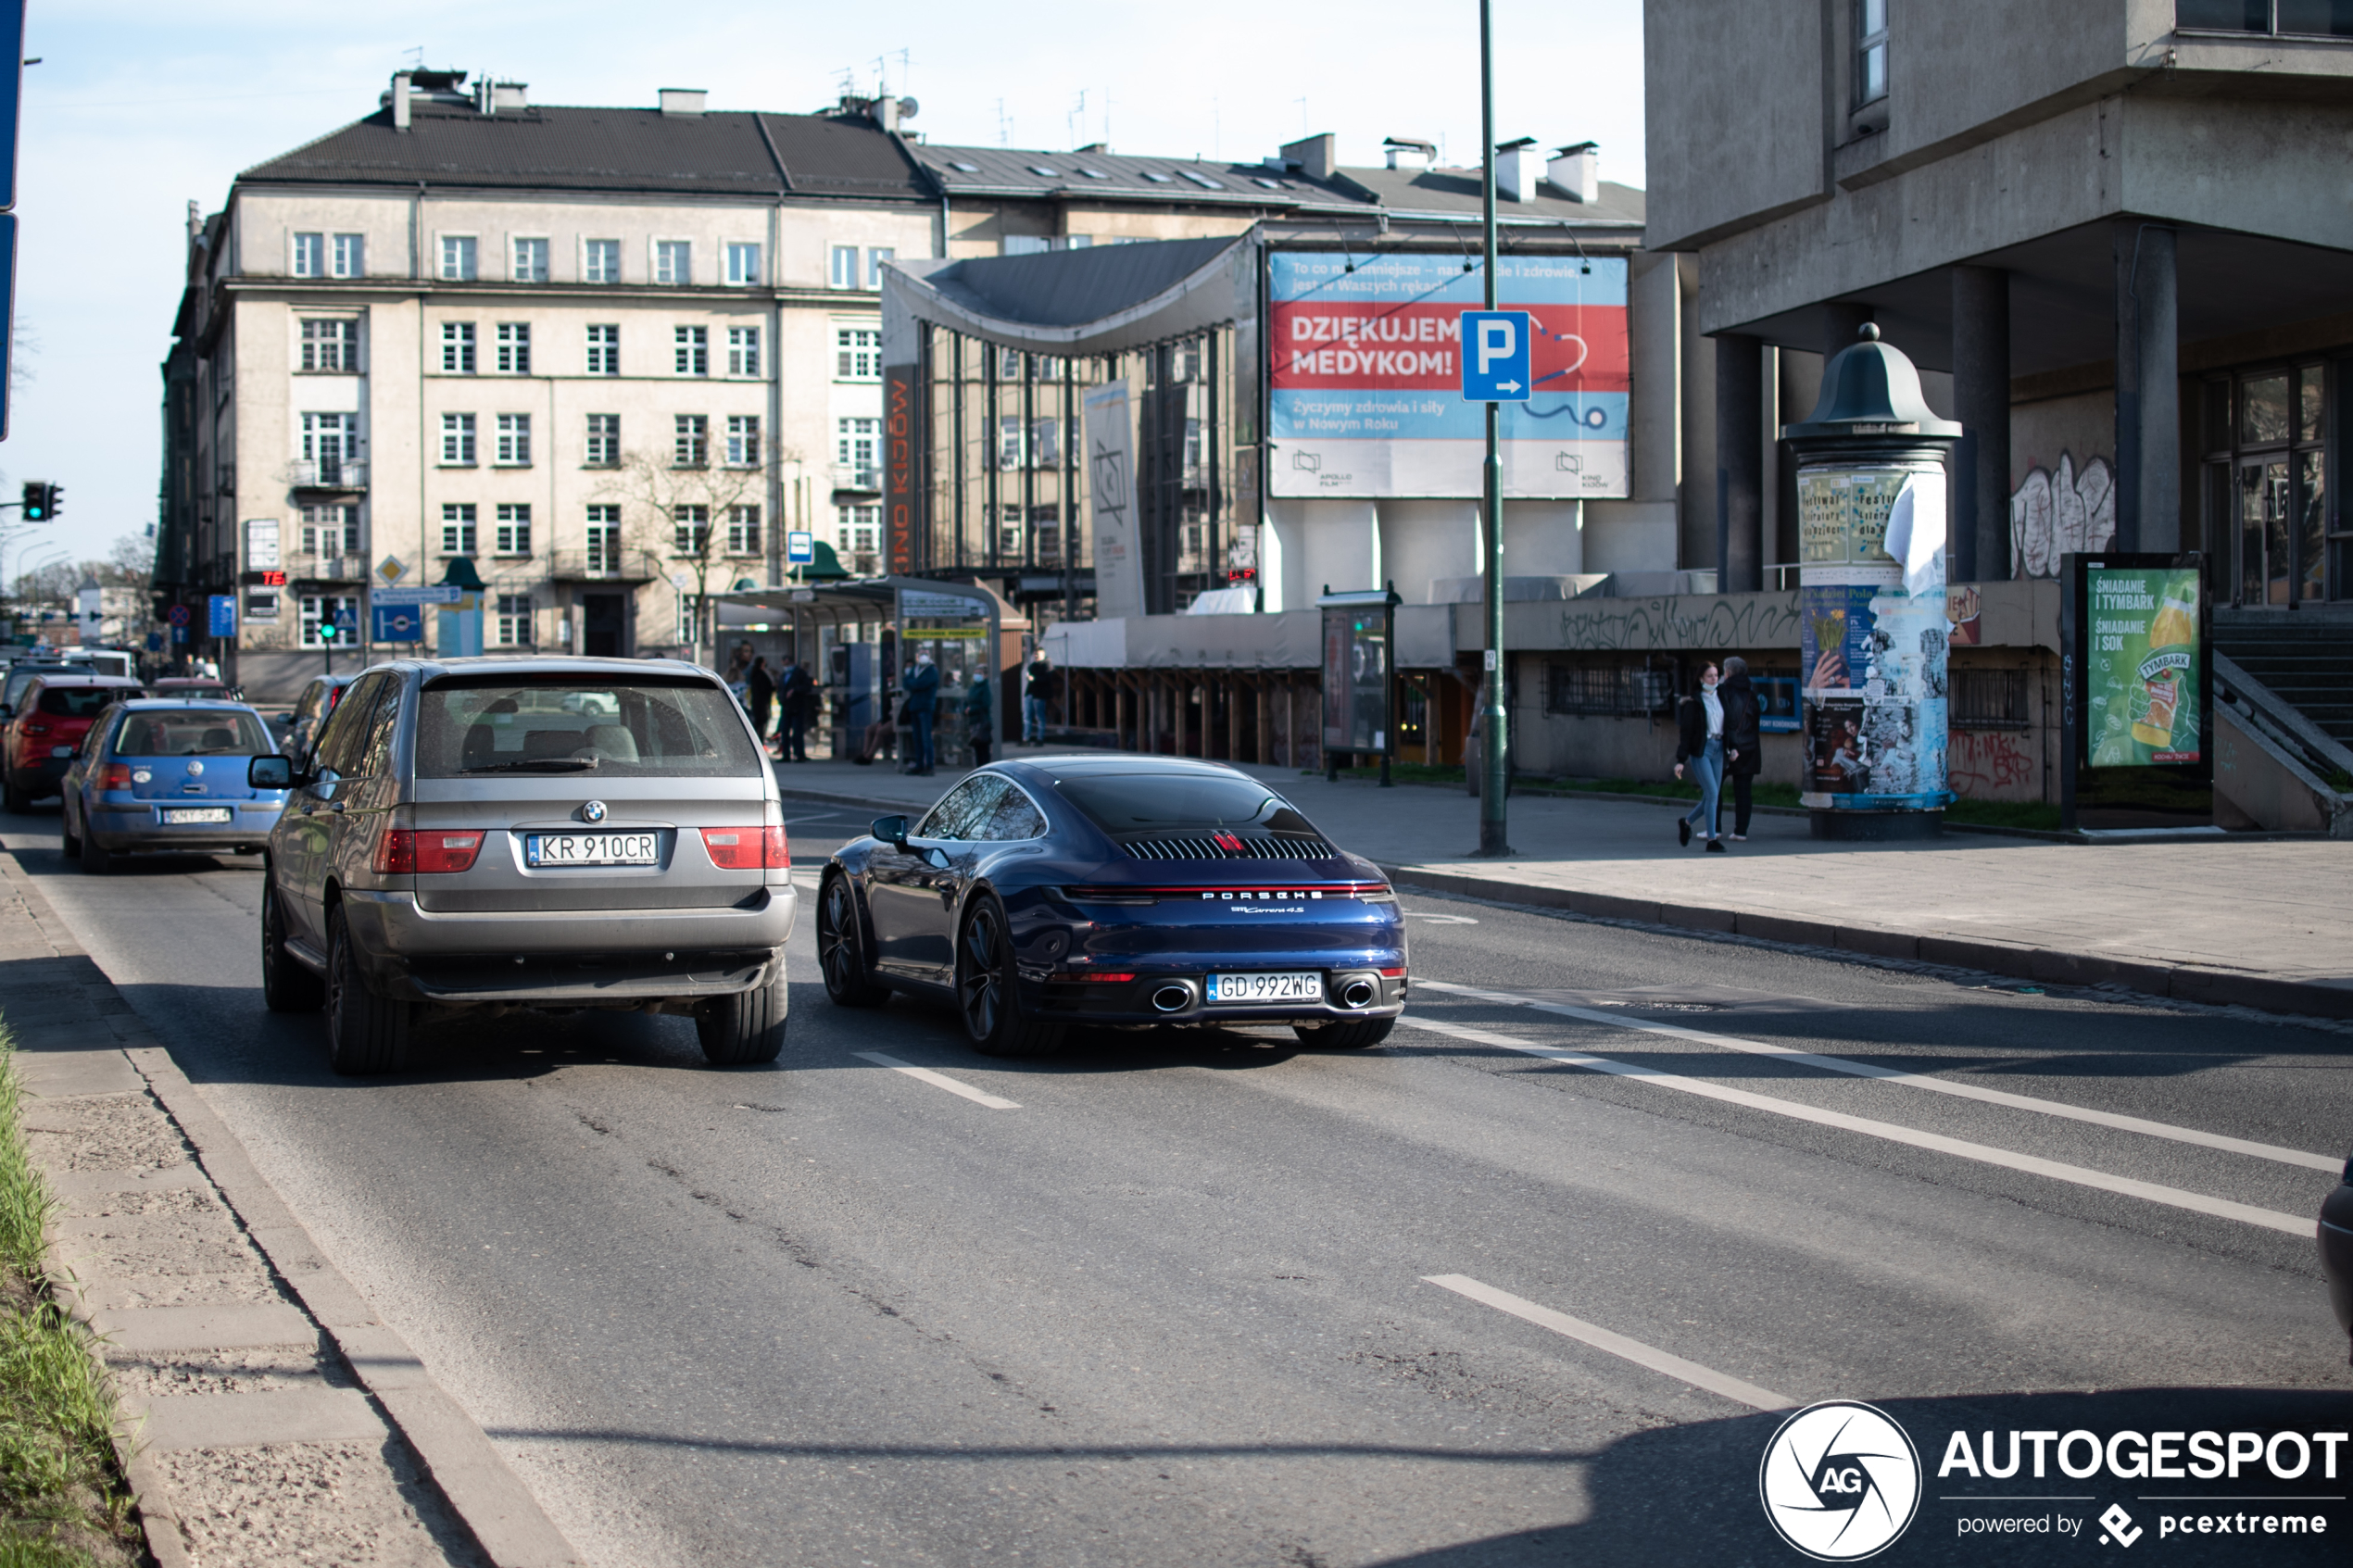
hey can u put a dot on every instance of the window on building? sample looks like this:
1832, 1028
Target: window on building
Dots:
514, 347
673, 261
604, 349
743, 351
856, 529
512, 533
1045, 441
845, 268
604, 538
330, 346
514, 440
331, 530
743, 264
1009, 442
743, 531
514, 621
604, 441
1047, 530
1022, 245
329, 441
310, 256
330, 609
690, 530
857, 353
456, 441
743, 441
2266, 504
876, 257
1871, 51
690, 350
2310, 18
857, 445
530, 264
600, 261
458, 258
690, 441
458, 529
457, 348
347, 257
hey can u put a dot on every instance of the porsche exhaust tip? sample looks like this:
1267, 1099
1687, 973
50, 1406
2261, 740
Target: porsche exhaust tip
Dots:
1174, 998
1358, 994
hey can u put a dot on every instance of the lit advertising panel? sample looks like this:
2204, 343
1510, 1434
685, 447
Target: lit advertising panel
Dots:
1365, 387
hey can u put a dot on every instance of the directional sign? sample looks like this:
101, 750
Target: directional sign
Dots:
1495, 355
221, 618
801, 547
397, 623
425, 594
177, 615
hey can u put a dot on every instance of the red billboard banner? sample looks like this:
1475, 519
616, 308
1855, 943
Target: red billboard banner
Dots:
1327, 344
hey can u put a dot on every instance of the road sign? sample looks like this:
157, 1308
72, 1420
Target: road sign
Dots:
1495, 355
801, 547
397, 623
390, 567
221, 618
423, 594
177, 615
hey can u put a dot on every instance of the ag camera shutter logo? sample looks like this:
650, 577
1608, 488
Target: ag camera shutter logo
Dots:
1840, 1481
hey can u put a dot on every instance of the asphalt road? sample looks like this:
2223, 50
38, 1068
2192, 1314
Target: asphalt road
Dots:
1174, 1305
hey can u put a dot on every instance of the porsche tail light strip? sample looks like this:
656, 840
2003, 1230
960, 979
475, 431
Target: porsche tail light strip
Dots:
1363, 892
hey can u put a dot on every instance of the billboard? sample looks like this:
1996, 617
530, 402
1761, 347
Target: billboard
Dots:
1365, 377
1119, 564
2141, 666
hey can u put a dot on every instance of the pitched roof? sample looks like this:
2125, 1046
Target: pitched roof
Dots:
1458, 190
1110, 177
552, 147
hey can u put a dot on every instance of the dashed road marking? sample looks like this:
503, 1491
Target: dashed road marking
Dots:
941, 1081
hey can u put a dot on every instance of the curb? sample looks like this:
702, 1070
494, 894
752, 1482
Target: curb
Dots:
487, 1497
2016, 960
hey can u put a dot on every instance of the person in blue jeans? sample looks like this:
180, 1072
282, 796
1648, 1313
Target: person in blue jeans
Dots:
1698, 742
1034, 695
922, 686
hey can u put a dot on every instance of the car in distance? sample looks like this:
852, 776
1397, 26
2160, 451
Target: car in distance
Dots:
155, 774
310, 711
40, 733
1053, 892
479, 835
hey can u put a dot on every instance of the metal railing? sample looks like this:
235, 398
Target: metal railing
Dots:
603, 565
329, 474
849, 476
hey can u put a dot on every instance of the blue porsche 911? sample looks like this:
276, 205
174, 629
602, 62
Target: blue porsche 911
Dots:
1113, 890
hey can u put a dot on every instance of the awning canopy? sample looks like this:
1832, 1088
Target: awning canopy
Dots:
1099, 299
894, 599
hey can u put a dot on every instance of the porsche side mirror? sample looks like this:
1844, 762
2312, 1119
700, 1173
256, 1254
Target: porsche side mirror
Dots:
270, 773
891, 830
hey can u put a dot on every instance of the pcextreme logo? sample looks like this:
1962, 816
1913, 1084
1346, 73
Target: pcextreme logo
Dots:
1840, 1481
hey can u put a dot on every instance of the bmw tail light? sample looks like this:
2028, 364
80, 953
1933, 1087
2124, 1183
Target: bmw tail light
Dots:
115, 775
748, 850
403, 851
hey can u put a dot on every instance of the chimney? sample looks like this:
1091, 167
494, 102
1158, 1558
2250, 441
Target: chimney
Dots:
1516, 170
400, 100
886, 111
1577, 172
1405, 152
1317, 157
683, 101
507, 96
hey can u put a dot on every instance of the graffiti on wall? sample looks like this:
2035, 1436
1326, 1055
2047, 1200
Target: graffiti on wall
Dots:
1740, 621
2052, 514
1984, 763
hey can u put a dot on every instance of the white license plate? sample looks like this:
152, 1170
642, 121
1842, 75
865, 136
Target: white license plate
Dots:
1307, 986
175, 816
591, 849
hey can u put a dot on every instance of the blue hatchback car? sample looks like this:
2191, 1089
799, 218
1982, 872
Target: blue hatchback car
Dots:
1058, 891
168, 775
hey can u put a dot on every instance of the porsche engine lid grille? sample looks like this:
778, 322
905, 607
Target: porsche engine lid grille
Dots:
1229, 846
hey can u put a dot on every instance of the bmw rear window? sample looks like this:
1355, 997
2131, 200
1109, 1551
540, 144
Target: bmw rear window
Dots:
1174, 803
477, 726
190, 732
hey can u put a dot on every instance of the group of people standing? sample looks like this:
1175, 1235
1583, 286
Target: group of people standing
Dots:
788, 697
1719, 736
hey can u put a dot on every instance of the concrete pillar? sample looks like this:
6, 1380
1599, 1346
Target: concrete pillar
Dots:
2149, 415
1740, 463
1655, 317
1979, 549
1801, 388
1541, 538
1695, 488
1422, 542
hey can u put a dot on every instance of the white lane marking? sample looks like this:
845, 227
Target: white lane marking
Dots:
941, 1081
1440, 919
1601, 1338
1917, 1080
2177, 1198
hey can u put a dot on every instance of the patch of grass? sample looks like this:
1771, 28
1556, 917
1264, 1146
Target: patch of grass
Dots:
62, 1501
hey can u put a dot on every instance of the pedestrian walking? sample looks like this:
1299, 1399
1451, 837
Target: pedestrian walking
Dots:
1698, 742
922, 686
979, 715
1033, 700
1743, 741
796, 708
761, 685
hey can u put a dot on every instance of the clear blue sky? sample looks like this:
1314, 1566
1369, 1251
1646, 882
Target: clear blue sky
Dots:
139, 107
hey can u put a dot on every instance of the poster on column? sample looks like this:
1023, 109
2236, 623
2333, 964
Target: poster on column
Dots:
1364, 388
1110, 502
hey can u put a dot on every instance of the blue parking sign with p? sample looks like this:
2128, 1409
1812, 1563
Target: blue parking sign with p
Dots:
1496, 356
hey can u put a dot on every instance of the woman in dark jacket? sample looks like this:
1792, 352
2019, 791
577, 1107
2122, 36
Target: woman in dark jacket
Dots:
1743, 748
1699, 741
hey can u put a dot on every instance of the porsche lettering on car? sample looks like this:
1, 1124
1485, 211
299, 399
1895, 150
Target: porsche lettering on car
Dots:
1050, 893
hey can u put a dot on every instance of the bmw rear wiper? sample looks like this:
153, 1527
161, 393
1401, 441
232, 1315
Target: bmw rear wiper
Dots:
549, 764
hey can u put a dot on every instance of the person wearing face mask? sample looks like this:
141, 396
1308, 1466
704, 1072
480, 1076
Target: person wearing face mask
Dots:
1743, 742
1698, 742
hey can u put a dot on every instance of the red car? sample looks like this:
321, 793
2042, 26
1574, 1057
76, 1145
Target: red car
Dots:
40, 735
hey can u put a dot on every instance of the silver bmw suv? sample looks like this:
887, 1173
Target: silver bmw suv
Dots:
474, 836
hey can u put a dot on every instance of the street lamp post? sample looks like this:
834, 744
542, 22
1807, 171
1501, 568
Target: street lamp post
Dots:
1495, 760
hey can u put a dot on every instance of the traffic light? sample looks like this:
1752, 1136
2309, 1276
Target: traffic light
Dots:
42, 500
329, 632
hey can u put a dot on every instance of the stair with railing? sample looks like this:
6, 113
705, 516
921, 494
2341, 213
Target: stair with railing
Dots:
2306, 662
2283, 708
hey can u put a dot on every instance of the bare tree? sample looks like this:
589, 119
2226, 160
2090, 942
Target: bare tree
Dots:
681, 504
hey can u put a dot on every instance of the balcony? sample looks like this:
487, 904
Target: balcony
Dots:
614, 565
342, 475
851, 478
326, 569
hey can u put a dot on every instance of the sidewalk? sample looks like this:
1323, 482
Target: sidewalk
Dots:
2263, 924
